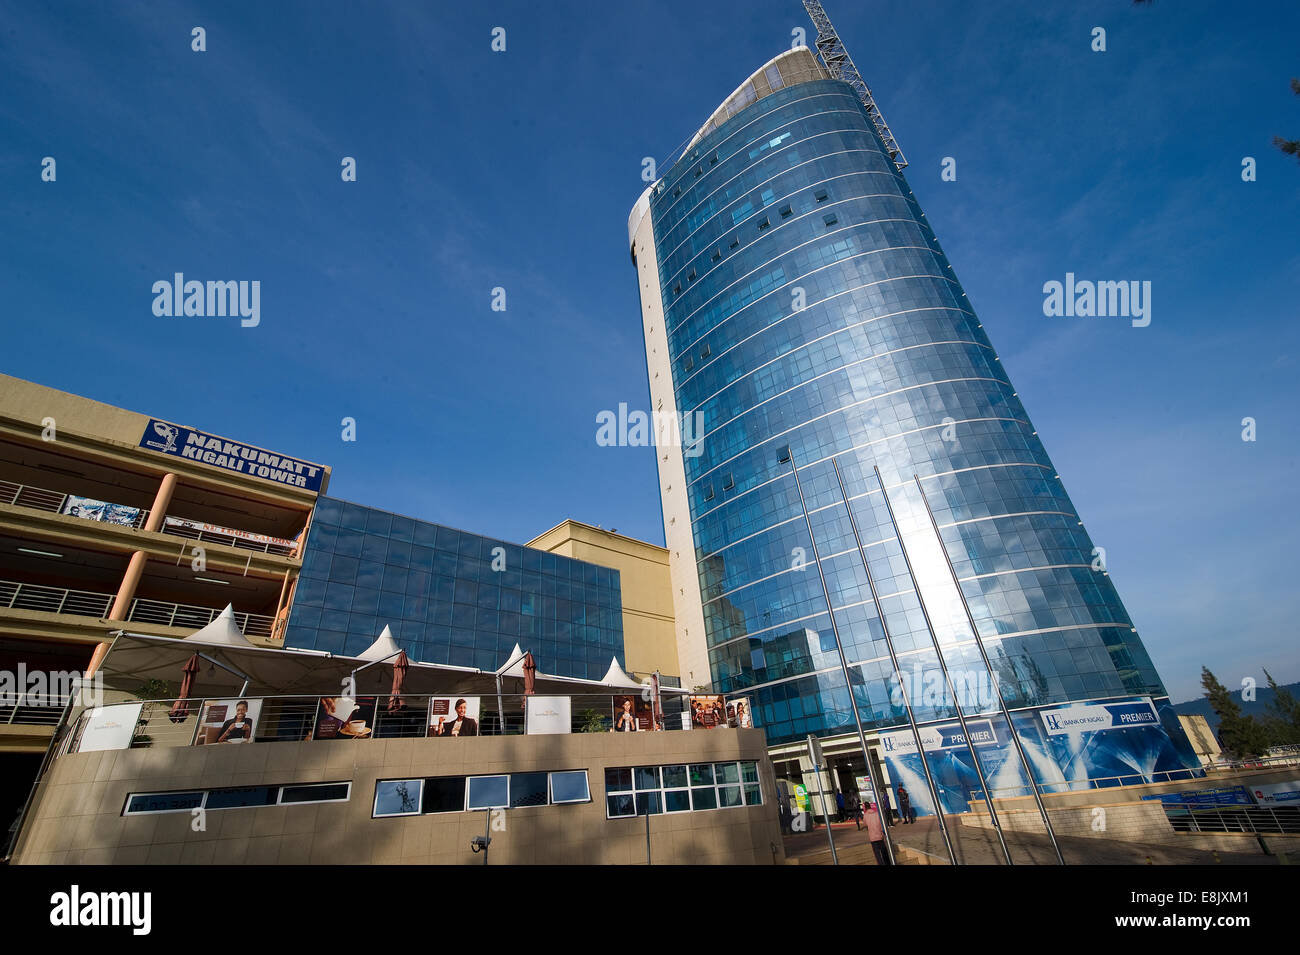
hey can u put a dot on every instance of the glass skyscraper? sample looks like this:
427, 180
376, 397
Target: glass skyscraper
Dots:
799, 312
450, 596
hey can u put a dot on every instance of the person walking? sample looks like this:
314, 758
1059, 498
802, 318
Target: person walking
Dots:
876, 833
856, 809
839, 802
905, 811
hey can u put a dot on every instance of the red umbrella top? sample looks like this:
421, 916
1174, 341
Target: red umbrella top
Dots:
180, 710
400, 665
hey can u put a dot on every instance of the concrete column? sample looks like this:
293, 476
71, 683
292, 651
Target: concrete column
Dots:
161, 501
121, 603
135, 569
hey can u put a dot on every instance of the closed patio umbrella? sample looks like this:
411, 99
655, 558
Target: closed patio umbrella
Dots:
180, 710
400, 665
530, 674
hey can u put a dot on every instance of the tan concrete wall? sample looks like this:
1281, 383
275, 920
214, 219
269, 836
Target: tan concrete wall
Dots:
1127, 817
76, 817
688, 608
1127, 822
648, 623
113, 434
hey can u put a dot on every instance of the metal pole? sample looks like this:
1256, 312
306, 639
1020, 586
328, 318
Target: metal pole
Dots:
943, 666
821, 792
902, 683
487, 836
647, 827
1002, 703
501, 712
839, 647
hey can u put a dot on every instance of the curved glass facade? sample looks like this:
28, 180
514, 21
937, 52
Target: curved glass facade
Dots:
811, 316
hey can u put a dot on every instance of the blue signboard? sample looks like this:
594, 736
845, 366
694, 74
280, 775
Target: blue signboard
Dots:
167, 438
1224, 796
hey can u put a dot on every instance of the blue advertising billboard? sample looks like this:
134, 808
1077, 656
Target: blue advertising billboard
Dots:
1083, 745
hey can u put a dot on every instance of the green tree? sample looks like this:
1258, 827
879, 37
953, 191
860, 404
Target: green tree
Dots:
1240, 736
1284, 714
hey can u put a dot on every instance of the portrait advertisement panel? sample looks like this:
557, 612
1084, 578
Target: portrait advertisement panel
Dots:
342, 717
453, 716
739, 715
227, 721
632, 714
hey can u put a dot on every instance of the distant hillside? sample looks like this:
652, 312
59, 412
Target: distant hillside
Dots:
1259, 708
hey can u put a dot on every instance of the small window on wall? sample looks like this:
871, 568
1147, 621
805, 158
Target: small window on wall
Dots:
708, 492
322, 792
688, 363
162, 802
444, 794
238, 798
786, 211
728, 481
692, 276
830, 219
570, 786
528, 789
764, 224
698, 172
398, 797
677, 289
705, 352
821, 195
735, 241
717, 254
488, 792
713, 160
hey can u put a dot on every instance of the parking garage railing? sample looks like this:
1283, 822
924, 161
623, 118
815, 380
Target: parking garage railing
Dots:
84, 603
28, 709
42, 499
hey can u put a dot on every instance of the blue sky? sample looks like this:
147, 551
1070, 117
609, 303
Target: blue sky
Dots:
479, 169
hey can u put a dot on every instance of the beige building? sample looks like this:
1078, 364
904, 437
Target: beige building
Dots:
128, 807
111, 519
649, 637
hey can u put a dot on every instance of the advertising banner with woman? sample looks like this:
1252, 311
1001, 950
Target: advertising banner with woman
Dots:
453, 716
227, 721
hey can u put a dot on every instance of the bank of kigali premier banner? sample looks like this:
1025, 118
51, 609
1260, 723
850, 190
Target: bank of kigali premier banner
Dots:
182, 442
1069, 746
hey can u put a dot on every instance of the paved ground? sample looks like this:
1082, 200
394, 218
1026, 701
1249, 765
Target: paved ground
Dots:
922, 842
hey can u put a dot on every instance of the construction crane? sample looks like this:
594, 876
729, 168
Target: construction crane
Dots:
835, 58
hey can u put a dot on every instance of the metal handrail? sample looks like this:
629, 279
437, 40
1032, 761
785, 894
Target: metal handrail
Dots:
168, 614
44, 712
1218, 817
85, 603
81, 603
43, 499
292, 718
